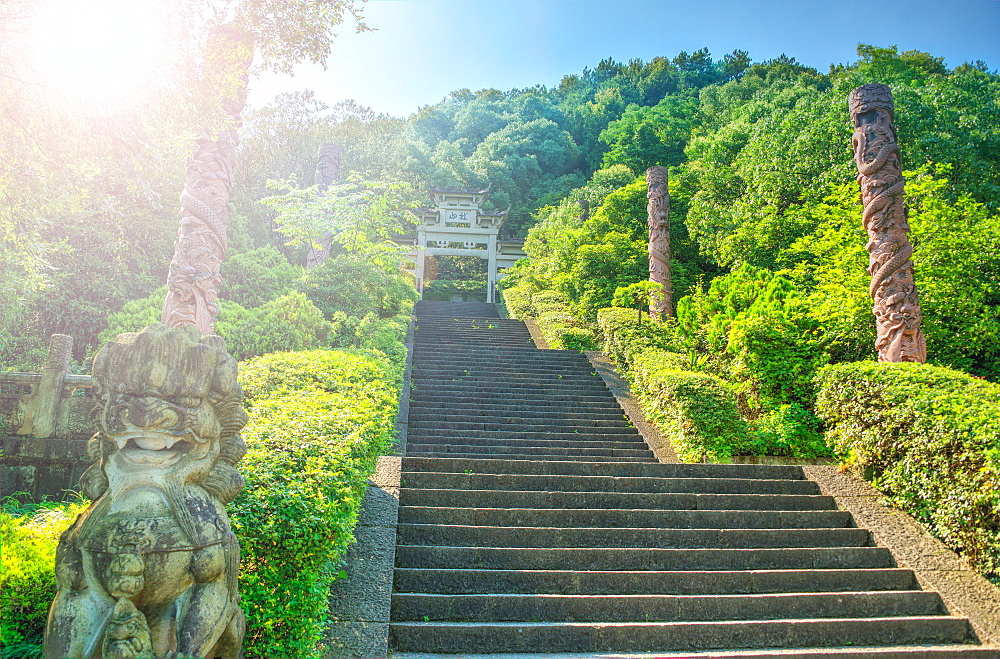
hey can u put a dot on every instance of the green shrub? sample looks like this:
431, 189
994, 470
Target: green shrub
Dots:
318, 422
929, 438
135, 315
754, 328
564, 332
290, 322
546, 301
354, 285
790, 430
696, 411
27, 581
627, 332
518, 300
254, 277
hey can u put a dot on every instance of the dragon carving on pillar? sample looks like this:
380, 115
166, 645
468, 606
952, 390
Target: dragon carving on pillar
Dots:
194, 278
658, 208
876, 153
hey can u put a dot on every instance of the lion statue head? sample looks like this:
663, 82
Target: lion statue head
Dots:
169, 409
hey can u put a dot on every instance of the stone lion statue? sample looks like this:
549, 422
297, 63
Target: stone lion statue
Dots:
150, 568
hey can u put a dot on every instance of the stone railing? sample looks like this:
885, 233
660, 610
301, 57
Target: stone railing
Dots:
44, 424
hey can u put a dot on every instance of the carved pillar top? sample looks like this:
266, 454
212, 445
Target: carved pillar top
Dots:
870, 97
60, 353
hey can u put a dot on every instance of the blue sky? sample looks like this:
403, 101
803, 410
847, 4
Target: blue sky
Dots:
424, 49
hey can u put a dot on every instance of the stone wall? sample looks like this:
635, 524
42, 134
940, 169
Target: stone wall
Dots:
45, 423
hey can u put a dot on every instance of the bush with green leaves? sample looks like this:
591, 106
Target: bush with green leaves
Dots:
318, 422
356, 286
517, 298
288, 323
627, 332
257, 276
560, 329
788, 430
756, 330
927, 437
29, 536
695, 411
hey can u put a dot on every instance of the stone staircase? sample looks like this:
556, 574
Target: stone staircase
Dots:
534, 519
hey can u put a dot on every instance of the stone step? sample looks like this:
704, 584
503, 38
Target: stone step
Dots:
557, 388
647, 558
512, 445
623, 518
529, 400
423, 307
466, 637
504, 367
496, 338
666, 470
605, 407
587, 434
485, 354
515, 431
618, 582
480, 331
546, 416
539, 454
945, 651
455, 357
513, 607
455, 535
550, 482
525, 452
495, 381
623, 500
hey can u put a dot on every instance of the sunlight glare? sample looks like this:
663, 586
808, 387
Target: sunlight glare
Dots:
98, 50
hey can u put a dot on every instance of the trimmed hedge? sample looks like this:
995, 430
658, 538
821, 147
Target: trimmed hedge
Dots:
929, 438
696, 411
691, 397
561, 330
517, 299
29, 537
318, 422
627, 332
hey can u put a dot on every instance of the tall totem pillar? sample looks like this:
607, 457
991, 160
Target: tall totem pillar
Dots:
194, 277
661, 303
327, 171
876, 153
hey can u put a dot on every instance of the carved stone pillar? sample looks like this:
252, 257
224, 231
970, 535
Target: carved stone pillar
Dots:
194, 276
327, 171
41, 409
658, 209
876, 153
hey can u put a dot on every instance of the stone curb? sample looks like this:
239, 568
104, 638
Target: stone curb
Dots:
657, 442
358, 622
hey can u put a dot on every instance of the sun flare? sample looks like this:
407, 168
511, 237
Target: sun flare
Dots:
99, 50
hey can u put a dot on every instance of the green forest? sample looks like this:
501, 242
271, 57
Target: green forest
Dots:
761, 182
772, 349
